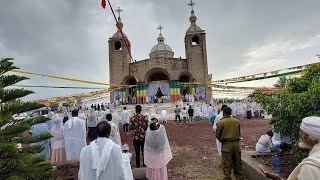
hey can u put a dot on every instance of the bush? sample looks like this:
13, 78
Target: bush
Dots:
300, 99
18, 163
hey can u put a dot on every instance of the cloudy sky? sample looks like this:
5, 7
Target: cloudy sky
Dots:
69, 37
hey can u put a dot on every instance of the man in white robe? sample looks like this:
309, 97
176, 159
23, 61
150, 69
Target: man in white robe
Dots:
309, 168
205, 110
218, 118
114, 134
125, 119
115, 118
102, 159
157, 151
74, 136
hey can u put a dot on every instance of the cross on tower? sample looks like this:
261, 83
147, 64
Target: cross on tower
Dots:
191, 4
160, 28
119, 11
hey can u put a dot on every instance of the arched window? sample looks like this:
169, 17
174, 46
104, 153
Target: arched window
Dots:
195, 40
117, 46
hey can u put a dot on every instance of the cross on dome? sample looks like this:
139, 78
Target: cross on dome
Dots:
191, 4
160, 28
119, 11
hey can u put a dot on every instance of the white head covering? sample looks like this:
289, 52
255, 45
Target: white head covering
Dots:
82, 116
57, 122
125, 147
311, 125
50, 115
157, 151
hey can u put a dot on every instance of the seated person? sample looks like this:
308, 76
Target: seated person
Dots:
264, 145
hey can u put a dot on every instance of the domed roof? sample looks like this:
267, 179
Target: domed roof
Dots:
118, 33
193, 28
161, 49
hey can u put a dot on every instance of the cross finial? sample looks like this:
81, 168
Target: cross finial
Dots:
119, 11
160, 28
191, 4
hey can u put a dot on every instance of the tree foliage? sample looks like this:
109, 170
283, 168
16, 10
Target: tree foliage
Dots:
18, 163
300, 99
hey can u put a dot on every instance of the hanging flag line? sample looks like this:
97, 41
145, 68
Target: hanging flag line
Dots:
57, 87
253, 76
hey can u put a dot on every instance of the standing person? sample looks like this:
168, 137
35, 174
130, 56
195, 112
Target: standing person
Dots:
210, 114
157, 151
102, 159
74, 136
205, 110
115, 118
248, 111
197, 112
65, 117
92, 125
184, 114
228, 133
177, 115
190, 113
309, 139
125, 118
138, 125
217, 119
58, 153
164, 116
114, 134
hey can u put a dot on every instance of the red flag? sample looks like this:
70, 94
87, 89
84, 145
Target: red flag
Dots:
103, 4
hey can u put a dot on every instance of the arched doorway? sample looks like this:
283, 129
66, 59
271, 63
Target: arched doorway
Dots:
158, 80
131, 91
185, 77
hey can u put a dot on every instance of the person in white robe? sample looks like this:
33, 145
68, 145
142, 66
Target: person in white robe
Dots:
205, 110
212, 102
102, 116
50, 115
115, 118
74, 136
39, 129
218, 118
58, 153
164, 116
233, 107
92, 125
309, 168
157, 151
264, 144
102, 159
125, 119
240, 110
114, 134
212, 113
197, 112
126, 157
147, 116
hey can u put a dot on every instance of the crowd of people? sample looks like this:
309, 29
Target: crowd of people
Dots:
94, 140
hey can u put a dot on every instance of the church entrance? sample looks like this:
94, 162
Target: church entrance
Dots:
185, 90
158, 89
131, 91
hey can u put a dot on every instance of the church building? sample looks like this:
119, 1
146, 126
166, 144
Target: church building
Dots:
162, 74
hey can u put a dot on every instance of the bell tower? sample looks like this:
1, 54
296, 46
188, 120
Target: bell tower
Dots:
119, 58
196, 51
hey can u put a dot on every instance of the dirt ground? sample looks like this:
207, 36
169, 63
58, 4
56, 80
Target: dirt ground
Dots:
194, 150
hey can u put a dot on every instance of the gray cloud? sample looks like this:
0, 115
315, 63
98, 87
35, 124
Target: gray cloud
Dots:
69, 38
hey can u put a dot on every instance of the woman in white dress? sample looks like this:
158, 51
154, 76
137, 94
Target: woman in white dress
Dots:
58, 153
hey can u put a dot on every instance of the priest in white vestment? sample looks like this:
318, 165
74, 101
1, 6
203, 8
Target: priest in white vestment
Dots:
309, 168
114, 134
157, 151
74, 136
102, 159
218, 118
115, 118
